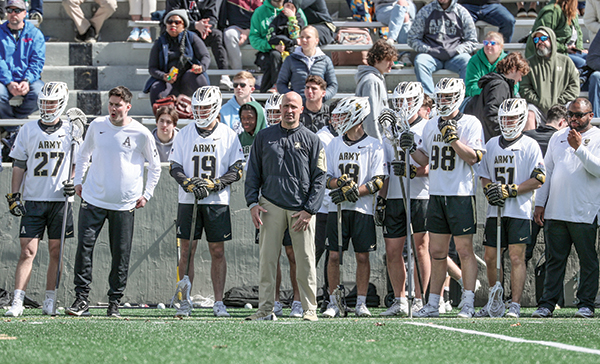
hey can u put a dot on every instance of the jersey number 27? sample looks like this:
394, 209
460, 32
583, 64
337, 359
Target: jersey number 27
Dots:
40, 171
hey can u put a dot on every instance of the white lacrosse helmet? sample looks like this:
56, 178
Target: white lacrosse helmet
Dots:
455, 87
52, 101
206, 96
512, 116
273, 109
412, 92
349, 112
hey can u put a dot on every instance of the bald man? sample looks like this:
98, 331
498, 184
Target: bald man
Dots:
285, 185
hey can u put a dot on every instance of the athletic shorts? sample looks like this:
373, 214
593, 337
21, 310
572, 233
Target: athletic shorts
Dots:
42, 215
394, 225
451, 215
355, 225
214, 219
514, 231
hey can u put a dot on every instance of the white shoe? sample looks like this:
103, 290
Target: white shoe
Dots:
48, 306
220, 310
185, 309
134, 36
278, 309
428, 311
145, 36
15, 310
417, 304
448, 305
398, 308
442, 308
297, 310
467, 310
225, 84
514, 310
332, 310
361, 310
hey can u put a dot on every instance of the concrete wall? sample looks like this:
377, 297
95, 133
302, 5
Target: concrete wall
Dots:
152, 274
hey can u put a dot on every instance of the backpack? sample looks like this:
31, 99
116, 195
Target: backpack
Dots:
351, 36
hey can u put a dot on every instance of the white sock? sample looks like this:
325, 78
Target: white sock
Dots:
434, 300
361, 299
218, 302
50, 295
332, 299
417, 300
19, 297
402, 299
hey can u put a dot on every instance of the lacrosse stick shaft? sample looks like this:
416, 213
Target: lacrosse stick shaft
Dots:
192, 233
411, 282
178, 243
498, 242
341, 253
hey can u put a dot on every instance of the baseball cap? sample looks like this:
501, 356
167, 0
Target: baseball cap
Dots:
19, 4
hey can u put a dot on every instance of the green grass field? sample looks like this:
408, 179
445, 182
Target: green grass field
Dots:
154, 336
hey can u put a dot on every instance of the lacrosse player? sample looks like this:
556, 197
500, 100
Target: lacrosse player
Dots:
113, 154
511, 169
207, 157
451, 144
394, 224
41, 156
355, 171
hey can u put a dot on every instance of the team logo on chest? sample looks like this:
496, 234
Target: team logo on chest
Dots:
349, 156
127, 143
504, 159
49, 144
205, 148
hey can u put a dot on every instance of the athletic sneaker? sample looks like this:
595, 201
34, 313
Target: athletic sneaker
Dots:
542, 312
278, 309
462, 296
220, 310
113, 309
428, 311
522, 13
134, 36
310, 315
225, 83
448, 305
15, 310
584, 312
467, 310
332, 310
296, 309
483, 312
145, 36
48, 306
184, 310
361, 310
398, 308
442, 307
417, 304
514, 310
261, 316
79, 308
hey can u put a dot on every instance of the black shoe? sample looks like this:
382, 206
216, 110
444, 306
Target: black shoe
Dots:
88, 37
113, 310
79, 308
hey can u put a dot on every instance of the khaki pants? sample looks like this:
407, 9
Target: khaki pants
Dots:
73, 9
275, 221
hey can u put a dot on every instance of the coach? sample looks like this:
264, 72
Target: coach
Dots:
567, 206
285, 186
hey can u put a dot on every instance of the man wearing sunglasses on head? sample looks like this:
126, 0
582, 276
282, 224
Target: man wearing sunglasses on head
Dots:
243, 87
553, 78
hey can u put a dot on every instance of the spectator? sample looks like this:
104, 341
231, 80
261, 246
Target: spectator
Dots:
484, 62
444, 35
268, 57
88, 30
252, 118
202, 17
552, 79
308, 59
285, 27
23, 53
243, 86
370, 82
234, 22
591, 18
315, 115
141, 10
593, 82
318, 16
398, 15
562, 17
166, 129
497, 87
491, 11
179, 48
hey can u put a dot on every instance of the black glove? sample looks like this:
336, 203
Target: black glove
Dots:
407, 142
15, 205
379, 214
212, 185
337, 196
68, 188
399, 168
448, 128
493, 193
194, 185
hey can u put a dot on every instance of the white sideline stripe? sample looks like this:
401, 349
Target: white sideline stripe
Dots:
578, 349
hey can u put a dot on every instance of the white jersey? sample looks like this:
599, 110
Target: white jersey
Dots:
362, 161
512, 165
326, 137
572, 188
419, 186
450, 175
208, 157
115, 156
47, 157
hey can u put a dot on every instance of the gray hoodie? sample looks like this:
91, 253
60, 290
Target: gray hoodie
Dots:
164, 149
370, 82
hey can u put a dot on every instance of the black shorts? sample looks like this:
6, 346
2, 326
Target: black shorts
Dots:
42, 215
454, 215
394, 225
514, 231
215, 219
355, 225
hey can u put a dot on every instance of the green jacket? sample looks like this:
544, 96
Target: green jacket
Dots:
260, 22
479, 66
245, 138
552, 16
550, 81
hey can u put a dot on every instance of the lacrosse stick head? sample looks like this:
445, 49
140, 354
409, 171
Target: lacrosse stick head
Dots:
182, 291
407, 99
77, 120
496, 306
340, 296
52, 101
388, 122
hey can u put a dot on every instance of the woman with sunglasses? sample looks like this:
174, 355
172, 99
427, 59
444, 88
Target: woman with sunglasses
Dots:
178, 60
483, 62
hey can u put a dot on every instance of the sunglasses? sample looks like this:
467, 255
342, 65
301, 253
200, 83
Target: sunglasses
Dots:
577, 115
543, 38
242, 85
489, 42
12, 10
176, 22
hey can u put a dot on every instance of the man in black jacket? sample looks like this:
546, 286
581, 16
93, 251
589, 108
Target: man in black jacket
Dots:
287, 169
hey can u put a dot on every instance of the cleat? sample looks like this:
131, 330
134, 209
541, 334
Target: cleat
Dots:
417, 304
398, 308
297, 311
331, 311
514, 310
467, 310
15, 310
584, 312
310, 315
184, 310
483, 312
361, 310
278, 309
220, 310
79, 308
48, 307
261, 316
113, 309
428, 311
448, 305
542, 312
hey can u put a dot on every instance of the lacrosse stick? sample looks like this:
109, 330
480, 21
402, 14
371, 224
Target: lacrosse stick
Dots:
77, 120
178, 243
496, 306
340, 291
184, 286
